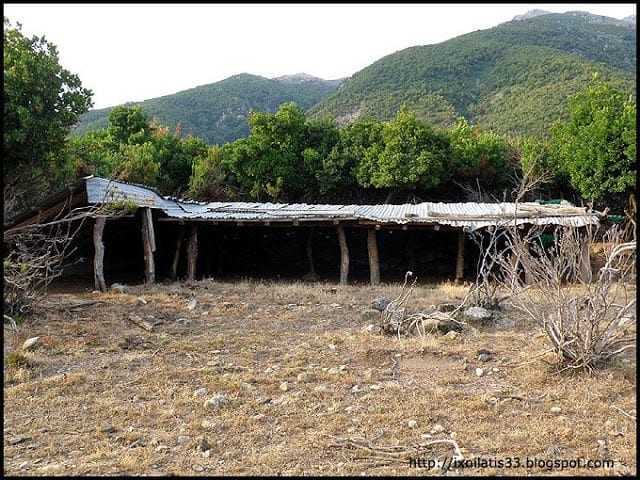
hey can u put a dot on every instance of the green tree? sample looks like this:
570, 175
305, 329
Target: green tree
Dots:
209, 180
42, 100
484, 156
596, 146
129, 125
412, 155
139, 164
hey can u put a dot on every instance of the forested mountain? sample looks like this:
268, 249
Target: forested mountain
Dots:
514, 78
217, 112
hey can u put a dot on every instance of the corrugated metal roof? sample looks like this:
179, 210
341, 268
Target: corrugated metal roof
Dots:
464, 215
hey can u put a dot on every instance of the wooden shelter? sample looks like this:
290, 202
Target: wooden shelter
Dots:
192, 222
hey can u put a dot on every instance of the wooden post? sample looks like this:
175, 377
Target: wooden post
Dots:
192, 253
312, 269
374, 260
460, 258
98, 256
585, 261
149, 244
411, 250
176, 255
344, 255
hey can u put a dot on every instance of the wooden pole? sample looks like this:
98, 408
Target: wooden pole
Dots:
98, 256
460, 258
192, 253
176, 255
411, 250
312, 269
585, 263
344, 255
374, 260
149, 245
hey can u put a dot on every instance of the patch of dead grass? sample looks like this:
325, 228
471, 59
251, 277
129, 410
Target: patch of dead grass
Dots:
244, 340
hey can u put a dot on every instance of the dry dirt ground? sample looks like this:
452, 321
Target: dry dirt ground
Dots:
304, 384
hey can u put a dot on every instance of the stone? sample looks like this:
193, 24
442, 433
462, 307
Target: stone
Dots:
284, 386
207, 424
30, 343
107, 428
479, 372
375, 386
412, 424
197, 468
477, 314
192, 304
206, 453
452, 335
446, 307
437, 428
332, 347
119, 287
216, 402
380, 303
306, 377
183, 321
202, 444
555, 409
356, 389
371, 328
484, 357
370, 315
200, 392
183, 439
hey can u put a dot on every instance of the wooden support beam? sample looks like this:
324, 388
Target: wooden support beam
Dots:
586, 274
460, 257
98, 255
149, 245
192, 253
312, 275
344, 255
374, 260
176, 255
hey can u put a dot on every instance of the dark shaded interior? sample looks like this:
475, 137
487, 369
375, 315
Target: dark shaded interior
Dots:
230, 251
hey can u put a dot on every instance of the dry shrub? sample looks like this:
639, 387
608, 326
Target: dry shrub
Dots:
587, 318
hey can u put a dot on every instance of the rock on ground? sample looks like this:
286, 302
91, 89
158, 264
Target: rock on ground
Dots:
216, 402
477, 314
30, 343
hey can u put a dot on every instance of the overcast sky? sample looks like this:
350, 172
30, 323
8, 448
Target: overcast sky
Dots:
134, 52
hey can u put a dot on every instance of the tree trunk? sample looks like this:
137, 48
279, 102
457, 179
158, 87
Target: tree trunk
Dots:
192, 253
460, 258
374, 260
98, 256
344, 256
176, 255
149, 244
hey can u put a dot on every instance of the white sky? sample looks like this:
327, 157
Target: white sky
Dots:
134, 52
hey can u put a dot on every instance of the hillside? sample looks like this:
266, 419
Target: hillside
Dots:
514, 78
217, 112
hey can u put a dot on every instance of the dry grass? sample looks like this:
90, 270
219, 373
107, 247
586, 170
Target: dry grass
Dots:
96, 370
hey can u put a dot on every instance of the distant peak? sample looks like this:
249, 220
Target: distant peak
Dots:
299, 77
531, 14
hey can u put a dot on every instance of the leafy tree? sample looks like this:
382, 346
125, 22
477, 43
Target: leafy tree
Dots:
411, 155
209, 180
339, 166
480, 155
128, 125
596, 146
139, 164
42, 100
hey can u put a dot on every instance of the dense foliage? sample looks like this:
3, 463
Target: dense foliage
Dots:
596, 147
513, 78
218, 112
42, 100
